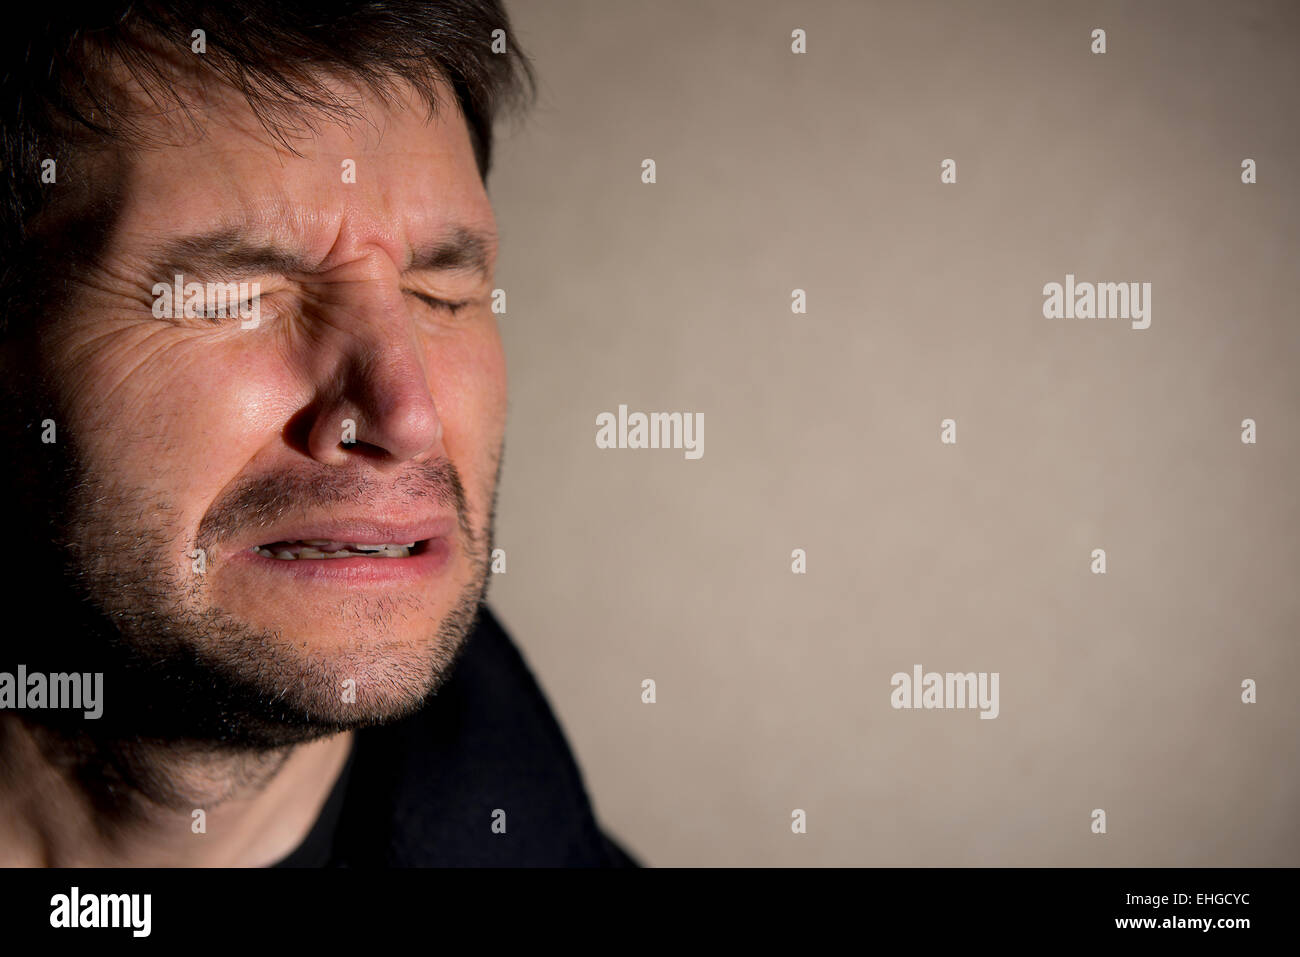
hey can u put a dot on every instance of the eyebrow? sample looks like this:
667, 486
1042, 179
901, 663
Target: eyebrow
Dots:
462, 250
232, 252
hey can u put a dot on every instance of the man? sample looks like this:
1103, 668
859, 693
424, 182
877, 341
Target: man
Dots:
255, 409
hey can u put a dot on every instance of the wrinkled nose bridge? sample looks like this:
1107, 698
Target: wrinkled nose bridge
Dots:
369, 287
366, 315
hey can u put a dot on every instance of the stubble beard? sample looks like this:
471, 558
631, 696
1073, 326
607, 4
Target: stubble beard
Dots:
180, 671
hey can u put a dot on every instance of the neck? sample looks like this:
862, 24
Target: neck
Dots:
72, 802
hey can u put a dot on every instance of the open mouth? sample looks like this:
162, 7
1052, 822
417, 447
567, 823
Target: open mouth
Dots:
316, 548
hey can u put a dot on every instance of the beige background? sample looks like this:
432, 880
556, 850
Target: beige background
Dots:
821, 172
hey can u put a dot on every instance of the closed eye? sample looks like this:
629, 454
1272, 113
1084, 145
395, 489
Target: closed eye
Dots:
225, 310
445, 305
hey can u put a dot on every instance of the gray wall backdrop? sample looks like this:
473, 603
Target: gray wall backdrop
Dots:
821, 171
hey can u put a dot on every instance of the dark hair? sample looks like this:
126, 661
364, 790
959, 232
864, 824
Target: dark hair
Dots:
62, 89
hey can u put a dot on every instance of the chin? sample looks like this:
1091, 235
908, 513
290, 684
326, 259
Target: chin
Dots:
347, 624
353, 688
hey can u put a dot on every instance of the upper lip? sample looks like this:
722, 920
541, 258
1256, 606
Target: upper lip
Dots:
358, 531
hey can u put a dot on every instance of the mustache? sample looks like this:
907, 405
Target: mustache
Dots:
263, 500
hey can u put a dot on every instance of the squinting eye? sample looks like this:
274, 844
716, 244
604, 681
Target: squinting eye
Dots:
225, 311
441, 304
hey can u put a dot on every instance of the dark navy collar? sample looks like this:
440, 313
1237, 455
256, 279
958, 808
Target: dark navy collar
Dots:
425, 791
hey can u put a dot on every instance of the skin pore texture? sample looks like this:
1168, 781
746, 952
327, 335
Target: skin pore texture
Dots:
225, 687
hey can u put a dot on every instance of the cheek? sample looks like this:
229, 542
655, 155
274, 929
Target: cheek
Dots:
469, 390
179, 420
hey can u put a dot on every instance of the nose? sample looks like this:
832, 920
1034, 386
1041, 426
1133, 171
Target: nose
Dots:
374, 401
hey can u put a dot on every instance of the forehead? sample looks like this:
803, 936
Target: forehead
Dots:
388, 173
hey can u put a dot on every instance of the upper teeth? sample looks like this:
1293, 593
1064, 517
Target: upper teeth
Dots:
289, 552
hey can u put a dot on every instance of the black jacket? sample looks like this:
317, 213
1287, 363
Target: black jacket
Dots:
422, 792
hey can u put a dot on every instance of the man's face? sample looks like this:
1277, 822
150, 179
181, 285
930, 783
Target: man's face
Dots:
196, 434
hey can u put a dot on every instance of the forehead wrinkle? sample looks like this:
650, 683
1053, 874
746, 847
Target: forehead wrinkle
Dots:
276, 233
418, 227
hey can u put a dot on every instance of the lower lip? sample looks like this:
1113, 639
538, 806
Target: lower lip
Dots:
433, 558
